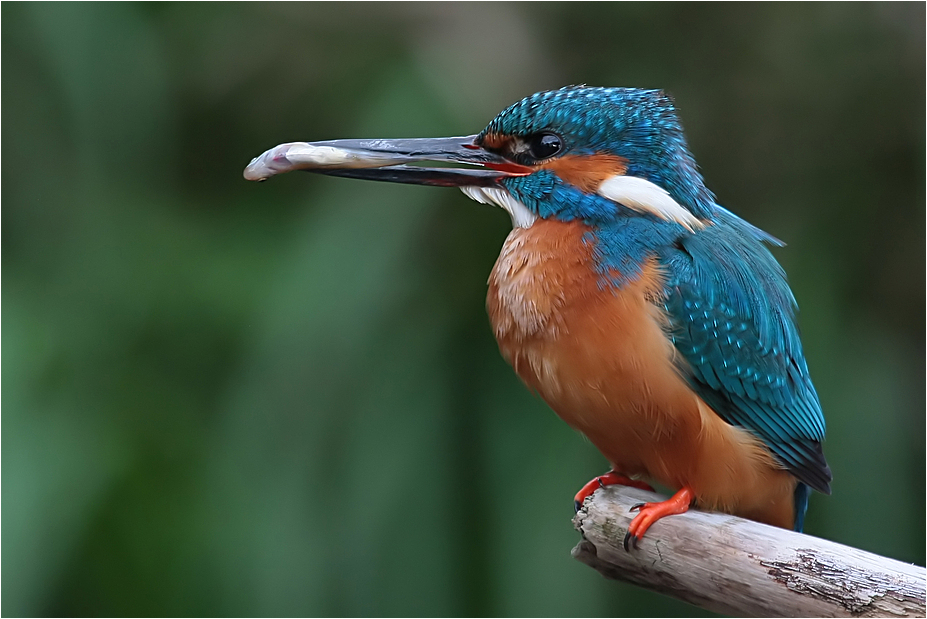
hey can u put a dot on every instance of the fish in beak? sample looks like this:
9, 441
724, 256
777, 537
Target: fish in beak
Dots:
390, 160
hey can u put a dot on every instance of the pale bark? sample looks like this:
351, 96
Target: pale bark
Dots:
743, 568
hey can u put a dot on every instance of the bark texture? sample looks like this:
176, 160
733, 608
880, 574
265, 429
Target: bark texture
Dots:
743, 568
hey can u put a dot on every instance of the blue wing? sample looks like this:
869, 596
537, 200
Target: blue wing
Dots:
733, 321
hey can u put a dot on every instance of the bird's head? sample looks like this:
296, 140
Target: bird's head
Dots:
594, 154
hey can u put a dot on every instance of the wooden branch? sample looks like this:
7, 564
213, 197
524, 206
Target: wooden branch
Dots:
743, 568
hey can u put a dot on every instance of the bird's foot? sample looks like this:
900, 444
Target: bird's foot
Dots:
679, 503
609, 479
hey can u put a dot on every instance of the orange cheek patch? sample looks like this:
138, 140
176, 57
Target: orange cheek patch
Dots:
494, 141
587, 172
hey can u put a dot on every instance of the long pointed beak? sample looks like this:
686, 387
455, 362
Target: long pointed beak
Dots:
388, 160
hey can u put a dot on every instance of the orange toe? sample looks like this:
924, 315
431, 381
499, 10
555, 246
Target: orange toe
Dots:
609, 479
651, 512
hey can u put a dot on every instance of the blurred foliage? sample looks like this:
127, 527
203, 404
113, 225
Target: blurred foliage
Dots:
225, 398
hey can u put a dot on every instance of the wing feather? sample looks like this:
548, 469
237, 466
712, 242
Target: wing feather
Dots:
733, 321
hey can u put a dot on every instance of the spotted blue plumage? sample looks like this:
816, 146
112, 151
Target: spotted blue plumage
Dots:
639, 125
733, 320
731, 311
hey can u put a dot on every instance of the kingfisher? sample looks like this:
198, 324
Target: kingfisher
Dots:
648, 317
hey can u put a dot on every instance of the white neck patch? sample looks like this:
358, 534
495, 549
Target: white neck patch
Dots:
646, 197
522, 217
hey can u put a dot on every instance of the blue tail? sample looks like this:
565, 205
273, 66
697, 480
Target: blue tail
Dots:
802, 492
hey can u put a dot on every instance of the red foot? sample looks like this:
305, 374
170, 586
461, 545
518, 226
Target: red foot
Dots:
651, 512
609, 479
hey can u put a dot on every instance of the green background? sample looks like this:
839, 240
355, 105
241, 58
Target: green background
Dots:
230, 398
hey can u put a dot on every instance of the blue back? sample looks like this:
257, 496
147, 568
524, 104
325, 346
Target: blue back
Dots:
733, 321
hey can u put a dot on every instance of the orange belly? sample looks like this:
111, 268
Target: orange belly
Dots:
601, 358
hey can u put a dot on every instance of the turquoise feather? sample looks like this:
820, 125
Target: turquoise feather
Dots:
733, 320
730, 307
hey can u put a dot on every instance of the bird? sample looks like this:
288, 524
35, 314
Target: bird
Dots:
650, 318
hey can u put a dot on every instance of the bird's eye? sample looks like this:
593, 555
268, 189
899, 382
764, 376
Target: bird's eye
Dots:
544, 145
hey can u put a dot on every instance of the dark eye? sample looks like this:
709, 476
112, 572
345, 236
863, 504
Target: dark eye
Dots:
544, 145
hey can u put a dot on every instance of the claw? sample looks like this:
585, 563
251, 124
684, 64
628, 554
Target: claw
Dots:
609, 479
651, 512
630, 541
636, 507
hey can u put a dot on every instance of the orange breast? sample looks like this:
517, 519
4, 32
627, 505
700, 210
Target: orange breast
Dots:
601, 358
